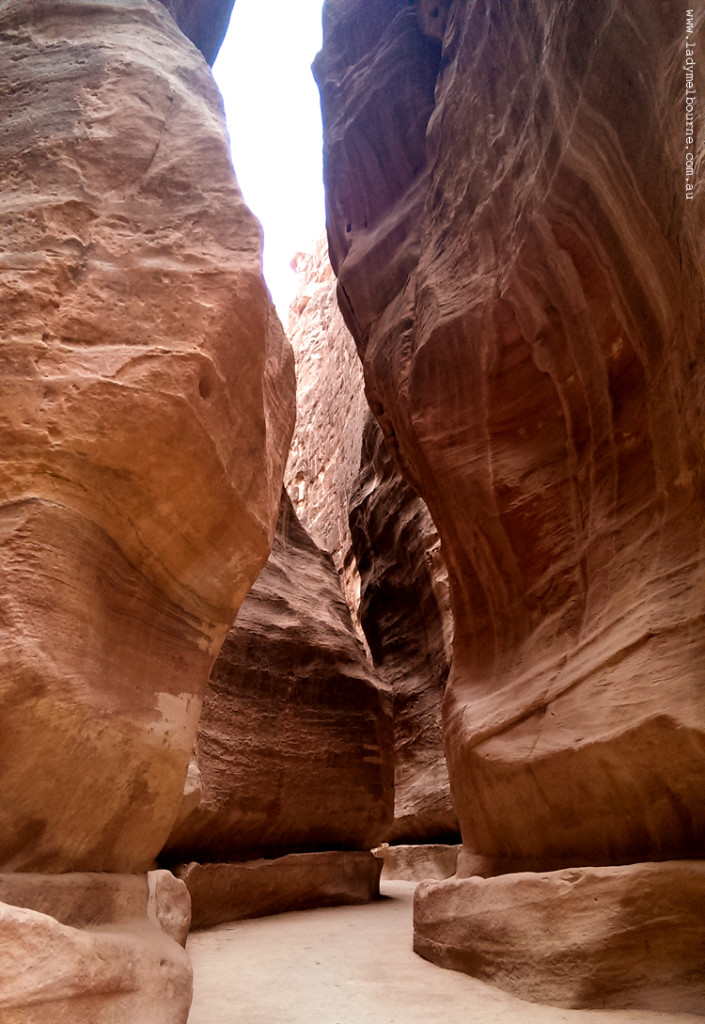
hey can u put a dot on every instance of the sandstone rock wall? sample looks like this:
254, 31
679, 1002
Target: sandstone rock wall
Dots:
94, 947
331, 411
294, 746
518, 264
205, 22
146, 406
350, 495
405, 613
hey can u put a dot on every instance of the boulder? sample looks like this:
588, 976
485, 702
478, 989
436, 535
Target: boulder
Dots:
146, 406
628, 936
409, 862
83, 947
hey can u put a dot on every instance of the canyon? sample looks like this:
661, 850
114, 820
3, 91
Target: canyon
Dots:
429, 571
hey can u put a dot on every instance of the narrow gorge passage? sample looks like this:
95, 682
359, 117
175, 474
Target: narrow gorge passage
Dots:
354, 965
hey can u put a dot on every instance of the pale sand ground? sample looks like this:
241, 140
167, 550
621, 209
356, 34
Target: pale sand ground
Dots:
354, 965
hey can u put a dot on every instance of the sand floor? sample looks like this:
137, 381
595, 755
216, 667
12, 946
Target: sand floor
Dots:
354, 965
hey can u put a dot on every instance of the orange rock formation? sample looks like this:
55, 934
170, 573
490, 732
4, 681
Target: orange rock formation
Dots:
351, 497
147, 402
520, 268
294, 747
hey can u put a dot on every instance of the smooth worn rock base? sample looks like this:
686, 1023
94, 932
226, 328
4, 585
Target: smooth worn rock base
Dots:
627, 936
299, 881
83, 948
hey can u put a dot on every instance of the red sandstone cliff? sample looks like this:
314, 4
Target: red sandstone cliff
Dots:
405, 614
146, 405
519, 266
295, 740
350, 495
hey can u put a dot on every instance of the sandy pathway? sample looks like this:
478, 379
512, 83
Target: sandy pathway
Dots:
354, 965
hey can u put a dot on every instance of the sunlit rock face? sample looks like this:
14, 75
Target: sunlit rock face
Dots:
294, 747
203, 21
331, 411
518, 263
146, 406
349, 494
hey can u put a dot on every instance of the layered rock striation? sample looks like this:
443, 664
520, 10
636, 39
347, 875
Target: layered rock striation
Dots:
147, 403
405, 614
87, 947
331, 411
294, 747
518, 262
350, 495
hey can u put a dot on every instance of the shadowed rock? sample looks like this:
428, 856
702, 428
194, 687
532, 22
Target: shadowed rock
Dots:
518, 264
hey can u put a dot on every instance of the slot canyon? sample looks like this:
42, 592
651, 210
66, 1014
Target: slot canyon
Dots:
409, 591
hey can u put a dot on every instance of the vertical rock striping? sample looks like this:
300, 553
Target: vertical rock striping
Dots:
519, 267
405, 614
331, 411
349, 493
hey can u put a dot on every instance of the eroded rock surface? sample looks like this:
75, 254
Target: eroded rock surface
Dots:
295, 741
609, 937
518, 264
349, 494
331, 411
417, 861
298, 881
405, 613
88, 947
146, 405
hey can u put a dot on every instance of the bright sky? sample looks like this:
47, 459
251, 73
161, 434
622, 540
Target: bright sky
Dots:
273, 114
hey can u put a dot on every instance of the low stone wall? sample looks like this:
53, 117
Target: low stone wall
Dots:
625, 936
89, 946
298, 881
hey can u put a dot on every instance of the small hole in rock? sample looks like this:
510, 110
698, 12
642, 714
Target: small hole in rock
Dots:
204, 387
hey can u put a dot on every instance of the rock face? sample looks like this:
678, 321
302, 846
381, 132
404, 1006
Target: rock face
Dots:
298, 881
529, 933
418, 861
146, 402
350, 496
295, 741
518, 264
88, 947
405, 614
331, 412
205, 22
